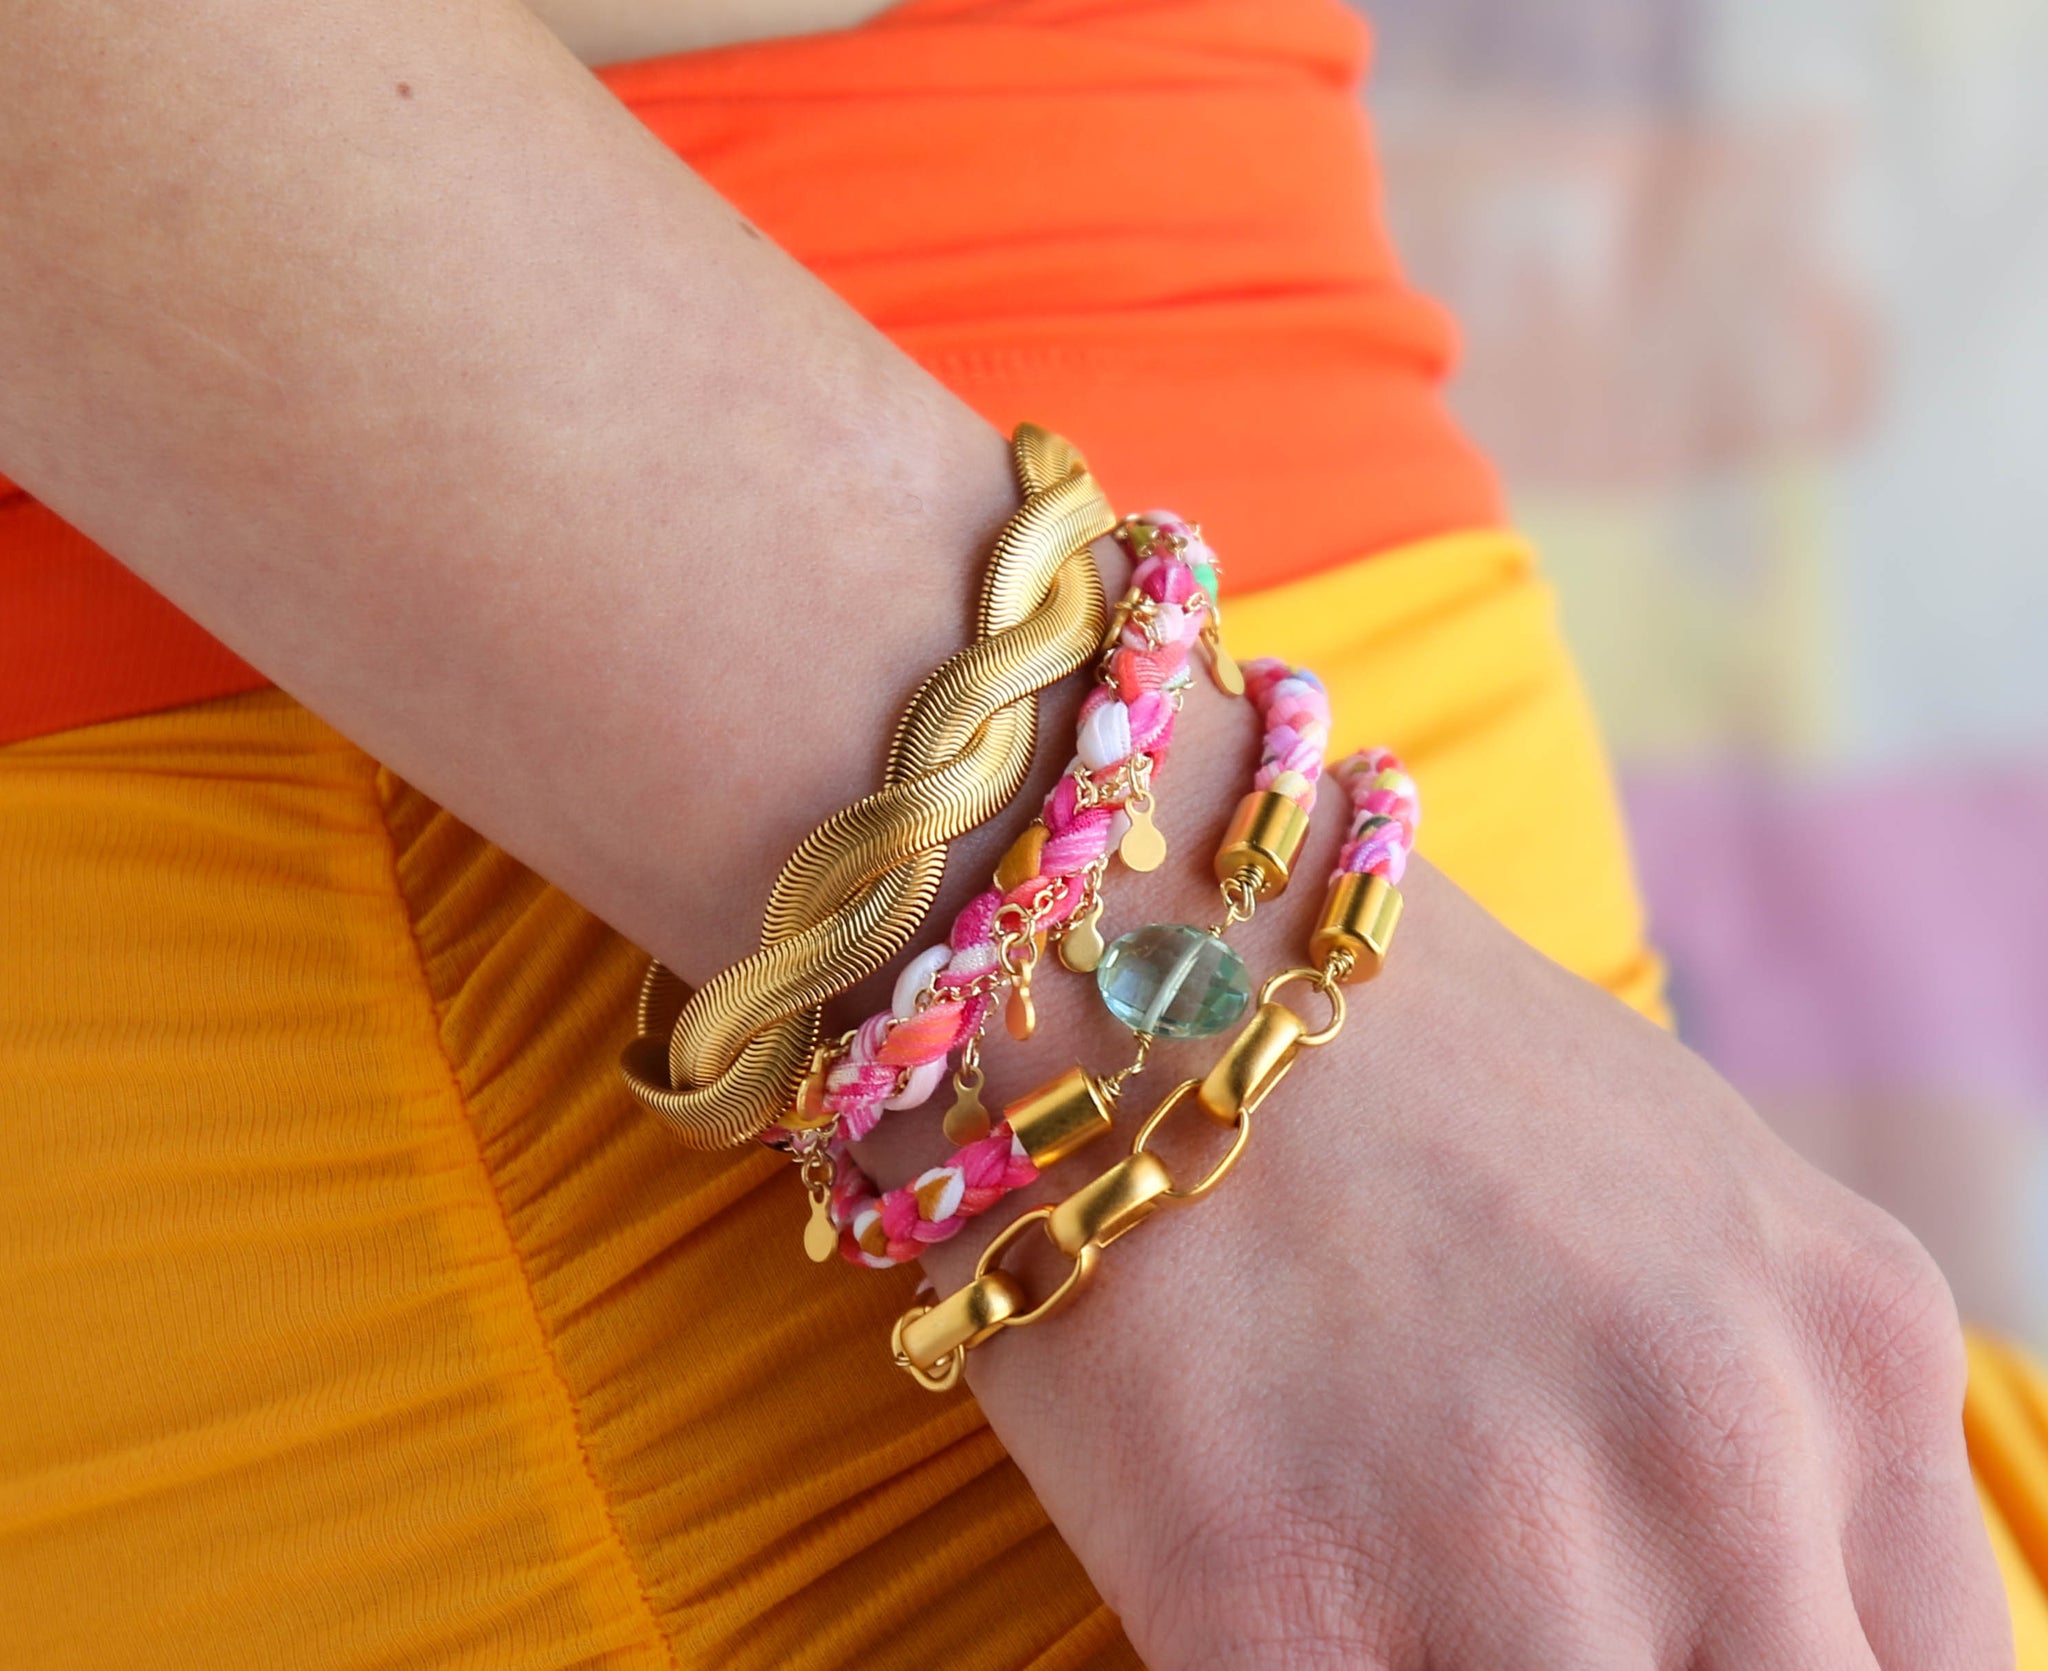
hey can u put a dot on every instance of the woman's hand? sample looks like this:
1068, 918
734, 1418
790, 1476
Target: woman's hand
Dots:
1516, 1340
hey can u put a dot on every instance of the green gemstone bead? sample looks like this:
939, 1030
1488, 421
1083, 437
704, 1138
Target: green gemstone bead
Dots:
1205, 577
1174, 981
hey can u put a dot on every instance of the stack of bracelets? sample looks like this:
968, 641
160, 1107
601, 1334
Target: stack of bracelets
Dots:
743, 1056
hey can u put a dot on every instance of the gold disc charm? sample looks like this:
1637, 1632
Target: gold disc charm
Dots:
820, 1239
1223, 666
816, 1168
1081, 945
967, 1120
1143, 847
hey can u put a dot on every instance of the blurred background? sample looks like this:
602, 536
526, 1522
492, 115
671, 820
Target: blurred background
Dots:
1755, 304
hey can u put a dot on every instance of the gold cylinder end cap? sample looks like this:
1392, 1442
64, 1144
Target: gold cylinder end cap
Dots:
1257, 1060
964, 1318
1105, 1207
1053, 1121
1359, 917
1264, 838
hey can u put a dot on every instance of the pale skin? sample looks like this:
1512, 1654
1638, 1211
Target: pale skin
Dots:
462, 408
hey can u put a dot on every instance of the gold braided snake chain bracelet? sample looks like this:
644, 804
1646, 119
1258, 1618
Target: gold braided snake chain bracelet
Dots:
721, 1063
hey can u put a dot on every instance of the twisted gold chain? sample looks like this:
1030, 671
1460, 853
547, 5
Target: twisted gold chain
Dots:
720, 1064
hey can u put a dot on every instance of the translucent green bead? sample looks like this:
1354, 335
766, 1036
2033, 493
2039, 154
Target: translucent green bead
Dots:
1174, 981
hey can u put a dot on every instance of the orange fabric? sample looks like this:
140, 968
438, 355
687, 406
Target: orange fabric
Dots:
83, 640
2005, 1419
1151, 225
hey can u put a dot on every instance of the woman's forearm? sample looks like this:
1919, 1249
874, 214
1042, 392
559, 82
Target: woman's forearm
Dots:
386, 344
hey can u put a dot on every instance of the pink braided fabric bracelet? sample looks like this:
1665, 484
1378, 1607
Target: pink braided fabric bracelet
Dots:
896, 1059
882, 1229
1384, 813
946, 996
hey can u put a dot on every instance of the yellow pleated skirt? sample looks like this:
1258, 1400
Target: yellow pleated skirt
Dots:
355, 1317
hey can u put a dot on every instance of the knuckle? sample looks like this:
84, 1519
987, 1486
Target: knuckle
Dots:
1711, 1415
1892, 1325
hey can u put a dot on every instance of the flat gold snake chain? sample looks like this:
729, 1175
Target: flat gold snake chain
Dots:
719, 1064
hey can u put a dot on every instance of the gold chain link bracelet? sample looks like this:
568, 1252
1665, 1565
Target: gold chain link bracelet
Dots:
931, 1342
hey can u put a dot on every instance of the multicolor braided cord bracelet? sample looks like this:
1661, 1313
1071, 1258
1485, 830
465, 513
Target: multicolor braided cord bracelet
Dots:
1049, 883
884, 1228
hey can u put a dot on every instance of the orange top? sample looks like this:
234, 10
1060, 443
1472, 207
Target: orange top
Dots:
1051, 204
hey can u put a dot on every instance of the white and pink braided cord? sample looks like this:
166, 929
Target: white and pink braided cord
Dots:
880, 1229
897, 1059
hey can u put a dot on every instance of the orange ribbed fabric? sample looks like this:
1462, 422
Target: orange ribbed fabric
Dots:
1153, 226
357, 1317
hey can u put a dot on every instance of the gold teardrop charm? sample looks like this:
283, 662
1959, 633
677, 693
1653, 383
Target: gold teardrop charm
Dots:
1081, 945
967, 1120
1223, 666
1020, 1015
820, 1239
1143, 847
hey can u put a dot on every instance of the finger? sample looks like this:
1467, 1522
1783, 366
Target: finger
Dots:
1549, 1646
1799, 1617
1925, 1583
1914, 1542
1534, 1563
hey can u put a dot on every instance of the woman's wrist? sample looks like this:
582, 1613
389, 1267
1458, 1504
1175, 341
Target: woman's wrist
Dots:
509, 447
